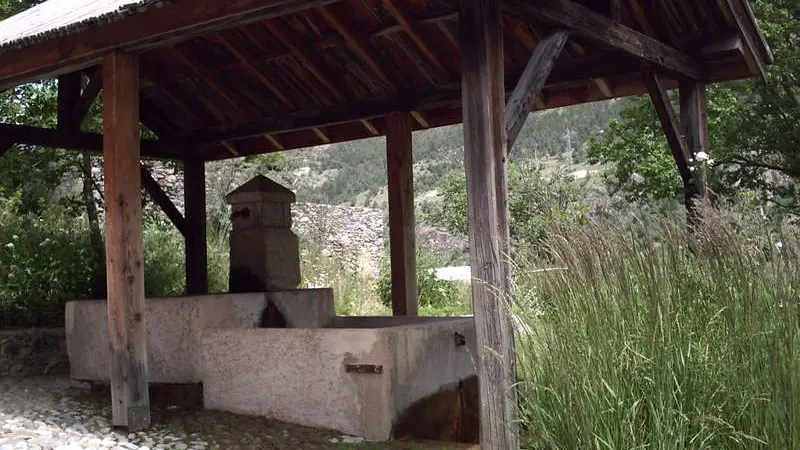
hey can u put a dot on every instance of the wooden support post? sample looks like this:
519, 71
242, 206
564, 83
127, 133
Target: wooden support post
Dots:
194, 191
694, 121
530, 84
485, 159
402, 226
5, 146
130, 400
69, 93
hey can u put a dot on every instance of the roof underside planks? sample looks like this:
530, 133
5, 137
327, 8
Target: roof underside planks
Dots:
253, 76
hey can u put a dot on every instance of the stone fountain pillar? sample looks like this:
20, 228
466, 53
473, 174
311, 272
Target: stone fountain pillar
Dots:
265, 254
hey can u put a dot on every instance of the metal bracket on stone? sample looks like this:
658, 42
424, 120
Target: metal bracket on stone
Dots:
364, 368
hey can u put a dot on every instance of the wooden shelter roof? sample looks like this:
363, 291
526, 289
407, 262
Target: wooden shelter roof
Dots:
235, 78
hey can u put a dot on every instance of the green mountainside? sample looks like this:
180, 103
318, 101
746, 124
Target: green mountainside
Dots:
354, 173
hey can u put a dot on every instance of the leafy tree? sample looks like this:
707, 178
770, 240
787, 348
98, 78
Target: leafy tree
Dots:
538, 203
754, 129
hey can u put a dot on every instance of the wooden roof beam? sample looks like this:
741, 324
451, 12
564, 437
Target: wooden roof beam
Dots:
325, 116
313, 64
584, 22
47, 137
89, 95
416, 36
156, 27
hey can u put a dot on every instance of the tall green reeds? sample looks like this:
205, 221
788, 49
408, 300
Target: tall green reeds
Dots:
657, 338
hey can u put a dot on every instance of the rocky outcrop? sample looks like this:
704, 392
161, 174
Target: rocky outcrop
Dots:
356, 235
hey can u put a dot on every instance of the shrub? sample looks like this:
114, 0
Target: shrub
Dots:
662, 339
438, 297
45, 261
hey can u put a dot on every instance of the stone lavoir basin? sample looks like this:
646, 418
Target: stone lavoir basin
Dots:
376, 377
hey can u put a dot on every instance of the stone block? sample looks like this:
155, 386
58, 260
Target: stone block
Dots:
264, 259
304, 308
174, 327
300, 375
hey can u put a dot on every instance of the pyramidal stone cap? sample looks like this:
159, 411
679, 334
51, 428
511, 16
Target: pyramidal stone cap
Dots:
260, 190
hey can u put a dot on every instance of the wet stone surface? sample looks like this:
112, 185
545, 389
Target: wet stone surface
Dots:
47, 413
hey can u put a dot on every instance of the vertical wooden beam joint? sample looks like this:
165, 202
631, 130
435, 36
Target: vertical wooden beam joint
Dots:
402, 225
194, 173
694, 122
124, 248
485, 151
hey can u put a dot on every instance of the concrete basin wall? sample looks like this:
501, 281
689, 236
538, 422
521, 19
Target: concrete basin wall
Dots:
174, 327
300, 376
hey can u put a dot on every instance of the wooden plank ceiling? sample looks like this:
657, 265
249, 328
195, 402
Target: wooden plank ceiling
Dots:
331, 73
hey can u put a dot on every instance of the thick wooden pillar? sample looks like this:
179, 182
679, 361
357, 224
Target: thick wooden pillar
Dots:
402, 226
194, 191
694, 121
485, 153
124, 255
69, 94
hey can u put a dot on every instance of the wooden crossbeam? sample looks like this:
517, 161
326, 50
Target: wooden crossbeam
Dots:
415, 34
161, 199
596, 27
169, 24
130, 401
45, 137
669, 121
324, 116
530, 84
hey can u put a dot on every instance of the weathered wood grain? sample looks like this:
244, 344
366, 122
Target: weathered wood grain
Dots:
530, 84
694, 124
484, 156
591, 25
130, 401
402, 225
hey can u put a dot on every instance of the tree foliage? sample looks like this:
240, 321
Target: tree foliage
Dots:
754, 129
537, 204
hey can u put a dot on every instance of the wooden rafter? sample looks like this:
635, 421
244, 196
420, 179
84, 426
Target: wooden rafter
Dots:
640, 16
669, 121
139, 32
313, 64
325, 116
596, 27
530, 84
415, 34
361, 46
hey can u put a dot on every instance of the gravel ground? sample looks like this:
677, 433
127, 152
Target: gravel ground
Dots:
46, 413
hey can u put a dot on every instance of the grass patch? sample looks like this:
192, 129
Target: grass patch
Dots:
656, 338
